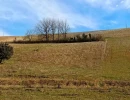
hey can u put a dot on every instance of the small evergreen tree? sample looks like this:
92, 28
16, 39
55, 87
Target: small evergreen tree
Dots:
6, 51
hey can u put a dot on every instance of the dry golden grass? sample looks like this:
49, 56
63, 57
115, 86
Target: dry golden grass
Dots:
61, 54
116, 33
106, 33
99, 70
51, 66
10, 38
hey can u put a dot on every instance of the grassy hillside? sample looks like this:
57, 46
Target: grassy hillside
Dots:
10, 38
104, 33
91, 71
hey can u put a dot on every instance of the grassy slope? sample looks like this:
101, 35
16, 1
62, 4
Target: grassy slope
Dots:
10, 38
33, 74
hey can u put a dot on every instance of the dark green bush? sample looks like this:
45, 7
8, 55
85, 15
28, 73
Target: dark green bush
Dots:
6, 51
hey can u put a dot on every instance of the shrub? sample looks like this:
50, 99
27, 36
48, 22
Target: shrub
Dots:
6, 51
90, 37
78, 38
84, 37
72, 39
97, 38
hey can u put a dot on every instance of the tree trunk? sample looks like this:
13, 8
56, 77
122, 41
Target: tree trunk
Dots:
0, 61
53, 36
46, 36
58, 36
65, 35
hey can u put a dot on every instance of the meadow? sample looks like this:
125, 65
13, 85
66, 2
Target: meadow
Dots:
69, 71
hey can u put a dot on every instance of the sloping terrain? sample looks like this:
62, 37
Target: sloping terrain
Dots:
10, 38
91, 70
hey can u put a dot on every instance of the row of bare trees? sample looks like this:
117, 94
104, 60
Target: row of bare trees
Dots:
49, 27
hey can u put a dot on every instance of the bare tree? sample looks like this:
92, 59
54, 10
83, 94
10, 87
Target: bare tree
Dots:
59, 28
47, 26
65, 28
53, 27
29, 35
62, 28
44, 27
40, 31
